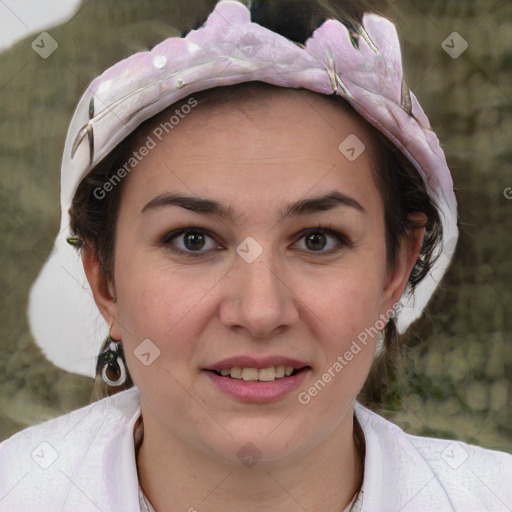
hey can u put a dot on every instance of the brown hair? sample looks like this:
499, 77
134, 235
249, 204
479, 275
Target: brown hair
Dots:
93, 220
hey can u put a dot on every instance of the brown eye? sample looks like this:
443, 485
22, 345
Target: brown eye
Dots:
317, 239
193, 240
189, 242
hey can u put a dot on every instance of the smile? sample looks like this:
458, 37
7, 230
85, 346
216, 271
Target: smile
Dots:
264, 374
258, 385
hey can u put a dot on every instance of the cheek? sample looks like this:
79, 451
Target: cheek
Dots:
349, 303
148, 300
154, 306
346, 348
160, 301
350, 310
350, 296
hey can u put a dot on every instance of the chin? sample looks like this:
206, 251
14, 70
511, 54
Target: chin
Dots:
264, 448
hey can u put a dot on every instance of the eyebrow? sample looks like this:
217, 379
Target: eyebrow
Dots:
329, 201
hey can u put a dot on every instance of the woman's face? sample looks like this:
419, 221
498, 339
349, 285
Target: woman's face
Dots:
253, 284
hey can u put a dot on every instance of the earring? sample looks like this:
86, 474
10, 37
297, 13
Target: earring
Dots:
380, 344
112, 358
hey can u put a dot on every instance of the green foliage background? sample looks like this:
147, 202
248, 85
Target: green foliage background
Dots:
460, 358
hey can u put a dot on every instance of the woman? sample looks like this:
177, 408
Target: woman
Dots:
256, 215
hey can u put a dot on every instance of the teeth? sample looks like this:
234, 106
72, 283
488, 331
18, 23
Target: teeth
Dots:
250, 374
265, 374
236, 373
280, 371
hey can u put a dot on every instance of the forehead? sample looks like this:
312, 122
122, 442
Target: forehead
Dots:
298, 119
255, 139
266, 106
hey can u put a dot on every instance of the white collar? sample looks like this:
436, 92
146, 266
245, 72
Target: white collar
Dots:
395, 472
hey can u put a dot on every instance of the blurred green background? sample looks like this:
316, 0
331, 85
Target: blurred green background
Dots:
459, 363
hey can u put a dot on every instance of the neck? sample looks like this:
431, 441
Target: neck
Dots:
175, 476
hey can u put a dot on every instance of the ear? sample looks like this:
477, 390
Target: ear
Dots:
103, 294
410, 248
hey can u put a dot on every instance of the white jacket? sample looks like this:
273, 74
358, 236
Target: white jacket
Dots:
85, 461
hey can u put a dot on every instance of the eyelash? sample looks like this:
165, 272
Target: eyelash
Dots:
167, 238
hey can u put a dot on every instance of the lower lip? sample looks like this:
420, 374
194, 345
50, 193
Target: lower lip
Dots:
258, 391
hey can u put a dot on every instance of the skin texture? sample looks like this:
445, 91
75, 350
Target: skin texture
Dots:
292, 301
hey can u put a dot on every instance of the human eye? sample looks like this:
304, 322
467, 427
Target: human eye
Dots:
316, 239
192, 240
189, 240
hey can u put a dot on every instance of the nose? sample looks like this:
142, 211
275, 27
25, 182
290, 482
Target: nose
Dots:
259, 297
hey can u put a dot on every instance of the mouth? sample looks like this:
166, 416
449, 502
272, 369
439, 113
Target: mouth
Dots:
257, 378
249, 384
268, 374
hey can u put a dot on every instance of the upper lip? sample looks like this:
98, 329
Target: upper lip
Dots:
256, 362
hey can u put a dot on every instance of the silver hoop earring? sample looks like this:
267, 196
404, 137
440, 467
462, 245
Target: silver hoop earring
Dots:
112, 358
